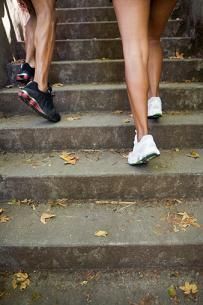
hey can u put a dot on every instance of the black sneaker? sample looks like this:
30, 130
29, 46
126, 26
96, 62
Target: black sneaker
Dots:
41, 102
26, 74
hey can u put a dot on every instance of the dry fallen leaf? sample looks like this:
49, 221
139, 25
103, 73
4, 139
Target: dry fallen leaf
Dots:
193, 154
189, 288
127, 121
58, 85
69, 158
2, 293
101, 234
20, 280
84, 283
59, 202
117, 112
181, 221
177, 149
3, 218
45, 217
179, 55
73, 118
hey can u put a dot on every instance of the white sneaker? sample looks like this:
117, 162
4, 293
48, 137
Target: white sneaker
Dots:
143, 151
154, 108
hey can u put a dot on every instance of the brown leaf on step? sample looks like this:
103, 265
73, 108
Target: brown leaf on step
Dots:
101, 234
84, 283
127, 121
45, 217
177, 149
117, 112
2, 293
193, 154
182, 221
9, 86
59, 202
179, 55
73, 118
69, 158
56, 85
20, 280
3, 218
28, 202
189, 288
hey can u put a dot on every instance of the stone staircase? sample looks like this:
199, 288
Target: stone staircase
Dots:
131, 203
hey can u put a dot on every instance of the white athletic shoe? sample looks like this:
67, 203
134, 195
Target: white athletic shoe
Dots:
154, 108
143, 151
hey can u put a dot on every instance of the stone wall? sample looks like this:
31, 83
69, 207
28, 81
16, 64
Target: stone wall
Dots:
194, 15
11, 31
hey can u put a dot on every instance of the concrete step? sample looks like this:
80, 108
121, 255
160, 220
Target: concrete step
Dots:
83, 3
106, 29
105, 71
104, 287
139, 236
100, 175
97, 131
88, 49
109, 97
86, 14
93, 14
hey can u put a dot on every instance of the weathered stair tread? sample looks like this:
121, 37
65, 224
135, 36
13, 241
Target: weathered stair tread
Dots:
101, 175
102, 119
135, 233
90, 49
97, 131
105, 71
105, 29
112, 86
104, 287
107, 97
98, 163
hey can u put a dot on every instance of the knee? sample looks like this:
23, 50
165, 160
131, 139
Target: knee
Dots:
136, 52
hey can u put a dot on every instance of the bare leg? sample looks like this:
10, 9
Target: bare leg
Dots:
133, 16
44, 40
29, 39
159, 14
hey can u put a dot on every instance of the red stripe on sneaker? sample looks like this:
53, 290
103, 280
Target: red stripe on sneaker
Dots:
32, 102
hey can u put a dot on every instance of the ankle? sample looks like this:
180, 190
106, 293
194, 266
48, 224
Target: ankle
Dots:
141, 134
42, 87
31, 63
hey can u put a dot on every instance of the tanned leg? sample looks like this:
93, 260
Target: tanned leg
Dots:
133, 17
30, 28
44, 40
159, 14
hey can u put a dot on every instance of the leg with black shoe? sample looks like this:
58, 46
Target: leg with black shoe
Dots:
27, 69
36, 93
